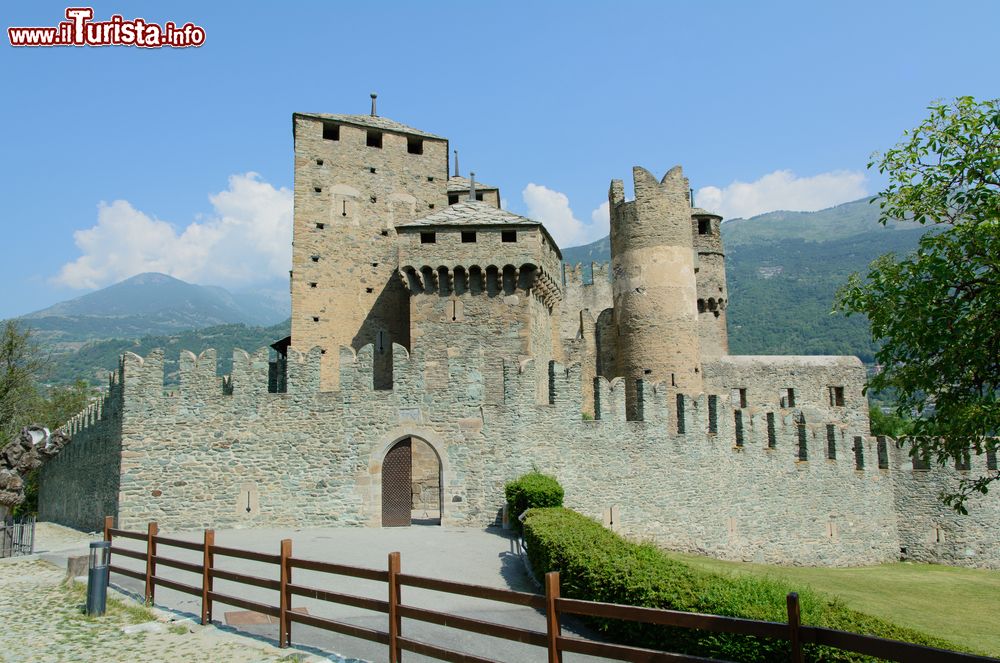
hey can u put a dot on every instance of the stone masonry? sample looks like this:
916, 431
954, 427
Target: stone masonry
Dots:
423, 312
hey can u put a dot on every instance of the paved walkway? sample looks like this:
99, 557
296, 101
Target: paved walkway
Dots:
483, 557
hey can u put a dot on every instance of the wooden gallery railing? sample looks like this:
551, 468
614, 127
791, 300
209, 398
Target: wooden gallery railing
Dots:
551, 604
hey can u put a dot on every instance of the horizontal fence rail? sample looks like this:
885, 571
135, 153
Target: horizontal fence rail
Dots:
551, 604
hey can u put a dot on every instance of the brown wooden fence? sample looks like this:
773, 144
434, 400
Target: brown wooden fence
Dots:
551, 604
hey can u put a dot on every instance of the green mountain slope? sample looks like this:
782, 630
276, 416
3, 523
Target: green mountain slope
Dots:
783, 270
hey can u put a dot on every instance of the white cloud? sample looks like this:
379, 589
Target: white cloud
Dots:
246, 239
783, 190
552, 208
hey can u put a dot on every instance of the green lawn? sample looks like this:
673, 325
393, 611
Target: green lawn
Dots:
957, 604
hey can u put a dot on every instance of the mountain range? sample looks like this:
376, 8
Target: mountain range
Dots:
783, 271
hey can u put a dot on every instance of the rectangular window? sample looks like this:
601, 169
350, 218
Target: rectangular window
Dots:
789, 397
508, 236
859, 454
738, 423
331, 131
414, 145
468, 237
704, 226
831, 442
991, 459
739, 397
713, 414
964, 460
680, 414
772, 438
428, 238
452, 198
479, 197
883, 453
320, 226
374, 138
803, 441
836, 397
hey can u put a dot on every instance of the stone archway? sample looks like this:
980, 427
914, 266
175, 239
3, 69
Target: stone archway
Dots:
411, 484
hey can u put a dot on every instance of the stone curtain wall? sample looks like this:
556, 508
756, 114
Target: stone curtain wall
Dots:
79, 487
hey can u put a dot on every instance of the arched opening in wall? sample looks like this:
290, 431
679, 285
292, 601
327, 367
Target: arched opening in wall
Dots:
509, 280
492, 281
411, 484
475, 280
461, 281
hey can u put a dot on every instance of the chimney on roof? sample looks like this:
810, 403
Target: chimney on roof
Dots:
472, 186
374, 114
456, 163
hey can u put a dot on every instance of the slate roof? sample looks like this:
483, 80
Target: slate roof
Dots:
375, 122
697, 211
459, 183
471, 213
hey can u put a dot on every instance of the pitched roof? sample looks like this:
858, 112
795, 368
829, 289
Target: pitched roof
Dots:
471, 213
697, 211
459, 183
373, 121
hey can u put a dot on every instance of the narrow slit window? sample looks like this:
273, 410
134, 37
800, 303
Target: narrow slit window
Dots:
859, 454
414, 145
331, 131
468, 237
803, 439
772, 439
713, 414
789, 397
428, 238
991, 459
680, 414
374, 138
738, 425
831, 442
883, 454
508, 236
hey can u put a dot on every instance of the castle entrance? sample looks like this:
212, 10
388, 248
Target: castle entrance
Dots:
411, 484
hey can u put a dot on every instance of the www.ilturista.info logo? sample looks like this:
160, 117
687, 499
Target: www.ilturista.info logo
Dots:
80, 30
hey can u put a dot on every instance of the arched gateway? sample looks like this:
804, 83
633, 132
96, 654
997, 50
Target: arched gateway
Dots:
411, 484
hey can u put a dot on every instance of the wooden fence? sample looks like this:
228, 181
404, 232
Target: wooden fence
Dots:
551, 604
17, 536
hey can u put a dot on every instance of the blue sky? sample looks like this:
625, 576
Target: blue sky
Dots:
120, 160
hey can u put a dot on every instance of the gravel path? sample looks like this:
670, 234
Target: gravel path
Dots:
43, 620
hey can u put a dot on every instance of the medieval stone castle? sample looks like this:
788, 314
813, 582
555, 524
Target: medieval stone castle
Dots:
439, 348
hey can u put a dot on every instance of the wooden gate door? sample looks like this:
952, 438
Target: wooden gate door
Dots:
397, 488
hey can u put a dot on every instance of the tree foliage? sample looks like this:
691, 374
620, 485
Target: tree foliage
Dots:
936, 311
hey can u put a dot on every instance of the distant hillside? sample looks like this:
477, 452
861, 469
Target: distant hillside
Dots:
152, 304
783, 270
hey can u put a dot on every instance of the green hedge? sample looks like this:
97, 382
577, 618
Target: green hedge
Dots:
533, 490
596, 564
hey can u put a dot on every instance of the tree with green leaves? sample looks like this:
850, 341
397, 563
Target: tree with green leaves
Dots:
936, 312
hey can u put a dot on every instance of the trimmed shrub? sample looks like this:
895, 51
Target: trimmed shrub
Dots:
533, 490
596, 564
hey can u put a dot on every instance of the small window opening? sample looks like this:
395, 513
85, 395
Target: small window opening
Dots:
680, 414
320, 226
479, 196
704, 226
647, 371
430, 178
428, 238
738, 424
964, 460
789, 397
331, 131
468, 237
385, 233
739, 397
508, 236
371, 169
431, 206
319, 162
374, 138
713, 414
374, 264
803, 439
315, 318
414, 145
313, 284
452, 198
369, 290
991, 459
772, 440
859, 454
883, 453
831, 442
374, 199
836, 397
314, 258
318, 189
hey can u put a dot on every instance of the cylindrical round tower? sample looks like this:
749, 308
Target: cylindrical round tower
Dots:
653, 284
710, 274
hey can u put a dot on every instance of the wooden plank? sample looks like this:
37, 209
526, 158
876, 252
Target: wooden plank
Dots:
125, 534
339, 569
266, 583
475, 591
125, 552
624, 653
284, 598
395, 621
179, 543
206, 577
244, 603
553, 628
474, 625
179, 586
340, 627
151, 562
178, 564
794, 625
362, 602
138, 575
673, 618
440, 653
890, 650
246, 554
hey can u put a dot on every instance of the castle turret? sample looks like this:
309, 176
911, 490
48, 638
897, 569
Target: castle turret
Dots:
710, 274
653, 283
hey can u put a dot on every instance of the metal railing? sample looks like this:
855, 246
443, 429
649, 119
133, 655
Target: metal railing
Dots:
17, 536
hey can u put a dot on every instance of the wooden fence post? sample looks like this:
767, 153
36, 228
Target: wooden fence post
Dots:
285, 626
794, 621
151, 533
208, 560
552, 627
109, 524
395, 621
